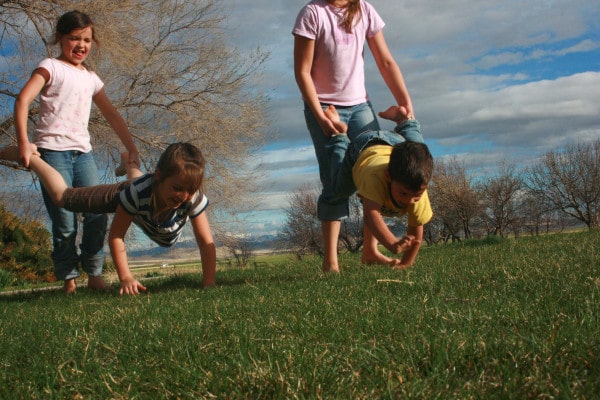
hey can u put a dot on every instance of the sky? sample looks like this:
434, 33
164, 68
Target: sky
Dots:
490, 82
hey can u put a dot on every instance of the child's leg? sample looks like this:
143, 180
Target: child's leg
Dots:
69, 286
396, 113
331, 234
50, 178
371, 253
406, 125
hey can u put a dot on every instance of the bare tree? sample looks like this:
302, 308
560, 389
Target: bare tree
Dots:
499, 197
538, 216
569, 179
302, 230
168, 69
453, 199
239, 247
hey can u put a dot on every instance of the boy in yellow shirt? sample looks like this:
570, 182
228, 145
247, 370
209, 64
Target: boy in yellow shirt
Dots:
390, 172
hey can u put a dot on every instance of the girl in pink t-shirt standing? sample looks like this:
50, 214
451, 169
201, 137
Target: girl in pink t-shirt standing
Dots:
329, 38
67, 86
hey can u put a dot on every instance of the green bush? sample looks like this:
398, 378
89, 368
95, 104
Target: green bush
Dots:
6, 278
25, 247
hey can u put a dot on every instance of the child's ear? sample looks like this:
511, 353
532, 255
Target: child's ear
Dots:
388, 178
157, 175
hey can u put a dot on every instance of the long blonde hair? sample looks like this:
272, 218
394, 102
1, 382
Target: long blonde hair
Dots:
351, 15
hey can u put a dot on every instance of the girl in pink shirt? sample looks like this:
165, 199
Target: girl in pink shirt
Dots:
329, 38
67, 87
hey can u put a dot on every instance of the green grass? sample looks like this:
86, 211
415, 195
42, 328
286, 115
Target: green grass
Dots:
480, 319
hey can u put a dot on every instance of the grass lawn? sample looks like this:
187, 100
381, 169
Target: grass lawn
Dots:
478, 319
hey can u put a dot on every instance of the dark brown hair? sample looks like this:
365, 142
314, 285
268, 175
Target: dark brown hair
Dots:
411, 164
73, 20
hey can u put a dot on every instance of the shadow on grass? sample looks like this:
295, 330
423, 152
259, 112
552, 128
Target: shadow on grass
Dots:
157, 283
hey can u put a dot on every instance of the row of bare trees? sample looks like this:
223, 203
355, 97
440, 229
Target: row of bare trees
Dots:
562, 188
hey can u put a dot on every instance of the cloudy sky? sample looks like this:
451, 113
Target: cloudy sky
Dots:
490, 81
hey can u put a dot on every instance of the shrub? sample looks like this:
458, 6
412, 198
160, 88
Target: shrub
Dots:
6, 278
25, 247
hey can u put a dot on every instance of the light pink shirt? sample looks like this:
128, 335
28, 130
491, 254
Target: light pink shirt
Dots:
338, 64
65, 105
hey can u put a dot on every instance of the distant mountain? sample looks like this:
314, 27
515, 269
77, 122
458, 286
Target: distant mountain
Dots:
189, 248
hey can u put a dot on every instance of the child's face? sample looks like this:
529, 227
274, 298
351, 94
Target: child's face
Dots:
174, 191
403, 196
76, 46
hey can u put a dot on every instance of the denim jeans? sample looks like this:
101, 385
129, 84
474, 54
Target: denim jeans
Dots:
344, 154
359, 118
78, 169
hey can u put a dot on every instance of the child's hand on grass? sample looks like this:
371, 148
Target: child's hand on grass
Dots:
406, 243
131, 286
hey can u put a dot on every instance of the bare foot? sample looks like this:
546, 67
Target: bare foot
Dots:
396, 113
12, 153
97, 283
370, 258
121, 170
327, 268
332, 114
69, 287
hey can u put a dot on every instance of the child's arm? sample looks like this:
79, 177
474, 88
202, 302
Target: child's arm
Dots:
208, 251
414, 238
408, 244
118, 124
304, 50
32, 88
121, 222
390, 71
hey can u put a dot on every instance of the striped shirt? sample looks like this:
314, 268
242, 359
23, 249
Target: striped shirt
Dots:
136, 200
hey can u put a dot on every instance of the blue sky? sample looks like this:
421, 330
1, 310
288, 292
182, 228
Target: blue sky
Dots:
490, 82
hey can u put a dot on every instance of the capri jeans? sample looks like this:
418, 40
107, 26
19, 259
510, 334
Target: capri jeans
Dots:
359, 118
344, 153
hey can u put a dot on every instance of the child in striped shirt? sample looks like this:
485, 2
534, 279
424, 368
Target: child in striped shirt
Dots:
159, 203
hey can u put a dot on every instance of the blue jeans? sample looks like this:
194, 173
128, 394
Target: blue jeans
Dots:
343, 153
359, 118
78, 169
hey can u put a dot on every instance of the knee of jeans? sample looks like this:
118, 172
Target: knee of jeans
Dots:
64, 238
92, 264
97, 221
332, 209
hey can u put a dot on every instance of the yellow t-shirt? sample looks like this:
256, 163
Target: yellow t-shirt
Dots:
369, 177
